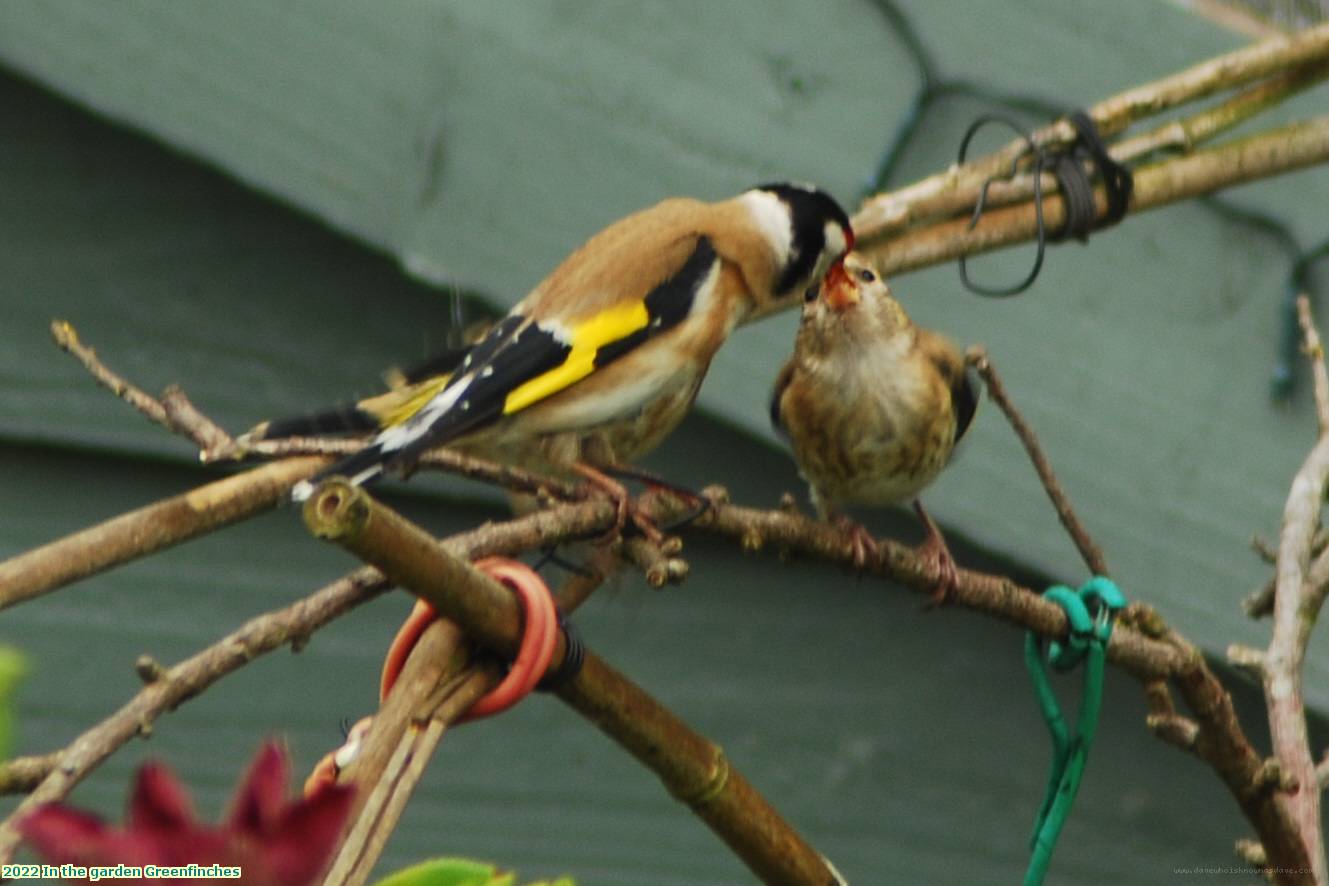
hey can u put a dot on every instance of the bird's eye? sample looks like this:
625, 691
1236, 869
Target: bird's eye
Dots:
866, 275
811, 294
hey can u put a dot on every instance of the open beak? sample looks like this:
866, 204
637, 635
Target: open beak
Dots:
837, 289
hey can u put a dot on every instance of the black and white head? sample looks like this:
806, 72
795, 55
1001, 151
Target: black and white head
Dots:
810, 230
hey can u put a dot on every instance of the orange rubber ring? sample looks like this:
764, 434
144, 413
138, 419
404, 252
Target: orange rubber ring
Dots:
539, 637
422, 616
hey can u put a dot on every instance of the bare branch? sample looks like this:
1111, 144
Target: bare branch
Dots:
1271, 153
190, 677
1187, 134
1296, 606
693, 769
955, 190
149, 529
1090, 552
1178, 136
66, 336
1315, 354
184, 418
1141, 644
511, 478
21, 775
435, 688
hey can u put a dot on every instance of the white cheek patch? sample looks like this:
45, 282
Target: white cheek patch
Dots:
834, 238
771, 216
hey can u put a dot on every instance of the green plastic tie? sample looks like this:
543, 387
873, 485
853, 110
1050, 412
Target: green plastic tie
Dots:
1089, 613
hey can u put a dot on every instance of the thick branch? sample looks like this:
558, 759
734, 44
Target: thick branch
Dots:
693, 769
953, 191
1295, 611
433, 690
1272, 153
149, 529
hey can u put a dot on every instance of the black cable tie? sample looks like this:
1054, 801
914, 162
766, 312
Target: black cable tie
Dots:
1067, 166
1117, 179
574, 656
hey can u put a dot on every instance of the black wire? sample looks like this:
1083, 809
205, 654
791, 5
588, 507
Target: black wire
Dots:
1041, 231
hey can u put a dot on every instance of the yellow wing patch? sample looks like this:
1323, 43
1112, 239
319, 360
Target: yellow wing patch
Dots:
396, 406
588, 338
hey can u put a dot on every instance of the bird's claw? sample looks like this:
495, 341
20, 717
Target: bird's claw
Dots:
935, 553
861, 543
624, 508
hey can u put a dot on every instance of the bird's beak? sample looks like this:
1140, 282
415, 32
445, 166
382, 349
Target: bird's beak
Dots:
837, 289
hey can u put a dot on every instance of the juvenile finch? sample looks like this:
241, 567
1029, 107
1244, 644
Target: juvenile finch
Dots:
605, 356
872, 405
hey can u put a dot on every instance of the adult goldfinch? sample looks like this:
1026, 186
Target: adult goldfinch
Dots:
872, 404
604, 357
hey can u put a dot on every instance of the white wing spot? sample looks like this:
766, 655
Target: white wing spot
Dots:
486, 372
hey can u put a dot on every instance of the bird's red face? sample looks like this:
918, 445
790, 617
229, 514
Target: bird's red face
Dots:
838, 288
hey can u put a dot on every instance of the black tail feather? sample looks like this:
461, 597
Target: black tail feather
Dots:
339, 420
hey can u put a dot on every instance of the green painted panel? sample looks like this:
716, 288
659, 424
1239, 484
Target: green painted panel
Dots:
477, 143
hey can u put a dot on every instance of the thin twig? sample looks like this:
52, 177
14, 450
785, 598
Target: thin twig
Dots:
184, 418
400, 741
1090, 552
1314, 350
1188, 133
66, 336
510, 477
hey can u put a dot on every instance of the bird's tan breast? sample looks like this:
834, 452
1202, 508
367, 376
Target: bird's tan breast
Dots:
868, 437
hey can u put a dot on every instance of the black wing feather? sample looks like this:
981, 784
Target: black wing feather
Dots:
964, 399
517, 350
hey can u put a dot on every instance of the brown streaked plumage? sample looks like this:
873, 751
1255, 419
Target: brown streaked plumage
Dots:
872, 404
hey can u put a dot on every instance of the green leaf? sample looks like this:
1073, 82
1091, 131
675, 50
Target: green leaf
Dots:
448, 872
12, 668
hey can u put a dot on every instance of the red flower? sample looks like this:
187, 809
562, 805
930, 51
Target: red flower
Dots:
272, 840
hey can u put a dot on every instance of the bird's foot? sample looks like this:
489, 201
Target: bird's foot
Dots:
696, 503
861, 543
934, 552
625, 510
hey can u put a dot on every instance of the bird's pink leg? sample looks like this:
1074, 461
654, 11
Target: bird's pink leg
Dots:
861, 541
934, 550
622, 500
